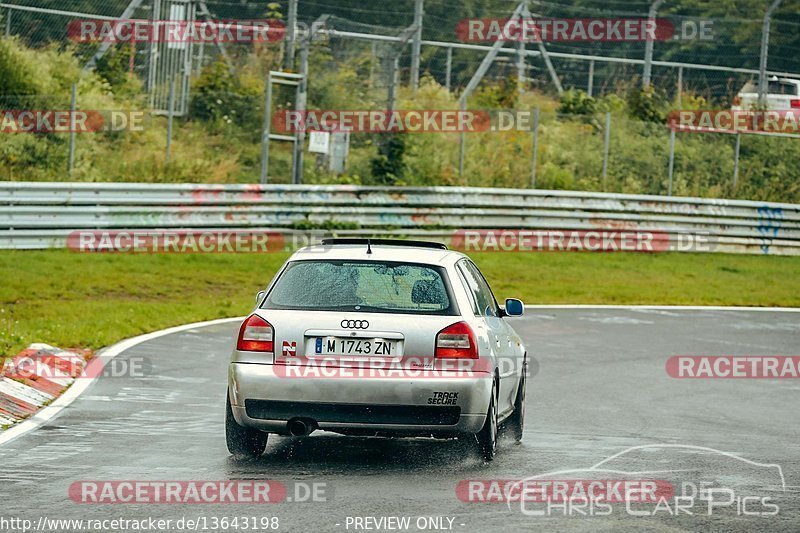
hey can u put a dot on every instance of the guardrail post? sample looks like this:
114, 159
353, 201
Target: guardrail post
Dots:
671, 159
73, 107
736, 160
606, 145
170, 118
535, 146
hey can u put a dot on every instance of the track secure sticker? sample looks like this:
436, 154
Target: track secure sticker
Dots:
443, 398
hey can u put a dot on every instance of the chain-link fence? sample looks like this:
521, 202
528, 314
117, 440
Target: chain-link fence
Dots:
361, 57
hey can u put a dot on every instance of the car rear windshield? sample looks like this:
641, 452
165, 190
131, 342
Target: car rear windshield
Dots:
777, 87
364, 286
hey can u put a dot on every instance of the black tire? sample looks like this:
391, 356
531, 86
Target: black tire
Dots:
515, 426
487, 436
242, 441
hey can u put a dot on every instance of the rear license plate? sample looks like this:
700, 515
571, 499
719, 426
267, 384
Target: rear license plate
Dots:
355, 347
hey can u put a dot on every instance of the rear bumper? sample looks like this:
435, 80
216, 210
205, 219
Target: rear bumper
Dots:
262, 399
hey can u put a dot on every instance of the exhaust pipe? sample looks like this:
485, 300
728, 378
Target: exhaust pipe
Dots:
299, 428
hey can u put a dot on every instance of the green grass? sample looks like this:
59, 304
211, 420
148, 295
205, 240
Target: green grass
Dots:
77, 300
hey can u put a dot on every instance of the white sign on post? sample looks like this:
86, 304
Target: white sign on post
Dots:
319, 142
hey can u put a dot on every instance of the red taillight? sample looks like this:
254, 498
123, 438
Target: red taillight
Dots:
456, 341
794, 104
255, 335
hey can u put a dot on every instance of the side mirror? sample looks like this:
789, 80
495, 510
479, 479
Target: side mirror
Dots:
514, 307
260, 296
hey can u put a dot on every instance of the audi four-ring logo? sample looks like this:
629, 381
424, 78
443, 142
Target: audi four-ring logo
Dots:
355, 324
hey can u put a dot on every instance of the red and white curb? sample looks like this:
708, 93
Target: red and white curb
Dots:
60, 403
34, 378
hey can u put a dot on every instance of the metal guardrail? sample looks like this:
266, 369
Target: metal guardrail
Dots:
42, 215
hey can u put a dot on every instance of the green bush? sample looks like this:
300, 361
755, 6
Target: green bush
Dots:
576, 102
388, 166
648, 104
19, 86
221, 98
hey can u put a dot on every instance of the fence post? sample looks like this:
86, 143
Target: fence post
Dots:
372, 59
266, 130
648, 45
680, 86
291, 36
590, 86
462, 143
736, 160
762, 64
8, 21
606, 144
416, 45
535, 146
521, 67
300, 106
393, 63
449, 68
73, 107
671, 159
170, 118
201, 57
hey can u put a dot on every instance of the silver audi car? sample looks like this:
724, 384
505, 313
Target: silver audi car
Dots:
380, 338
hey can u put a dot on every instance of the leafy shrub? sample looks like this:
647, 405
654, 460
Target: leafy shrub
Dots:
218, 96
576, 102
500, 94
648, 104
114, 68
388, 166
19, 85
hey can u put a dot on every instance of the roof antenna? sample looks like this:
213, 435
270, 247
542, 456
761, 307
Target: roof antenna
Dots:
369, 247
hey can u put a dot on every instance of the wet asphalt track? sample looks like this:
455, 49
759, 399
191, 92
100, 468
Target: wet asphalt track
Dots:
600, 389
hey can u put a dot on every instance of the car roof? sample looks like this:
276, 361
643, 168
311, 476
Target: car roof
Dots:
380, 252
